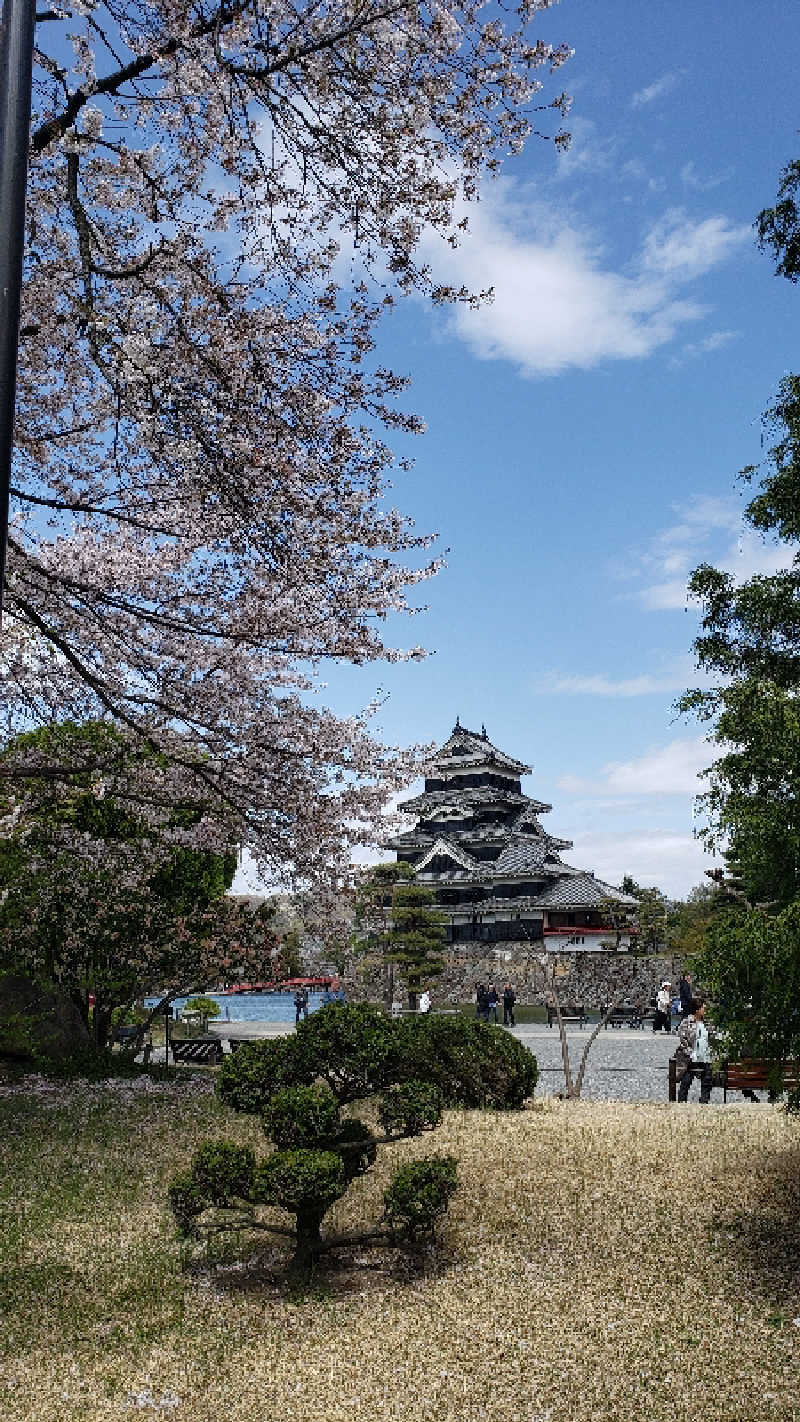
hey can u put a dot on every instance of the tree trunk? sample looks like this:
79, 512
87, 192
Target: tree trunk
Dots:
101, 1023
308, 1245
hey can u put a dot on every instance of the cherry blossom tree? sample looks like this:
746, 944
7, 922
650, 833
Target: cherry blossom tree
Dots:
224, 196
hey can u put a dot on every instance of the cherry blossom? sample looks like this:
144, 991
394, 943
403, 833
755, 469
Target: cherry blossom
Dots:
223, 200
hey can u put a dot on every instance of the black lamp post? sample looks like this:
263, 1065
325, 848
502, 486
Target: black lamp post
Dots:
16, 73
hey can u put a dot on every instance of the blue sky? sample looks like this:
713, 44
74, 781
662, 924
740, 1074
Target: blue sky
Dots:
585, 430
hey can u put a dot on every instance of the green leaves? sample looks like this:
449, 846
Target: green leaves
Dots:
419, 1195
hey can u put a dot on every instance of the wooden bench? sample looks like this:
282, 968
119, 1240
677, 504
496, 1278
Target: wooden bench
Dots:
205, 1050
626, 1015
748, 1076
568, 1014
125, 1036
753, 1074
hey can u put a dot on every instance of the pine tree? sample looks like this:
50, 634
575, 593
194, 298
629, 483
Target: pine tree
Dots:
416, 937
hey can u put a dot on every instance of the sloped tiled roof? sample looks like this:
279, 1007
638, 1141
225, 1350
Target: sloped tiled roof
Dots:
475, 747
579, 891
453, 851
524, 852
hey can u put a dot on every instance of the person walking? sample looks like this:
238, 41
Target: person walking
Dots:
509, 998
298, 1005
663, 1006
425, 1001
694, 1051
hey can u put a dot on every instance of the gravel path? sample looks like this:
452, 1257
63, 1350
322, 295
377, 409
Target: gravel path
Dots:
624, 1064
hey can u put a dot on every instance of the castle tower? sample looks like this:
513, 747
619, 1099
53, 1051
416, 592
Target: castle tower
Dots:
497, 874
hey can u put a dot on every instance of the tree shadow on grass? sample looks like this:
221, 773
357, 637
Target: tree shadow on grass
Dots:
763, 1237
340, 1273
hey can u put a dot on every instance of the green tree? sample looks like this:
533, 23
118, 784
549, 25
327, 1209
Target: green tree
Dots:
778, 227
750, 638
750, 964
750, 642
687, 920
105, 890
373, 914
416, 939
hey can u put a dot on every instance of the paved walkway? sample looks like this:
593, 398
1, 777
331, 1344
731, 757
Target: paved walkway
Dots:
624, 1064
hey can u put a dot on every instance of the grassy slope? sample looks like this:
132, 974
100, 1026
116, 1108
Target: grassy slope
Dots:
601, 1261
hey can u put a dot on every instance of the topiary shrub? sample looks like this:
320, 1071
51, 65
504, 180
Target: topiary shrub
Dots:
206, 1006
300, 1181
250, 1076
351, 1046
301, 1116
220, 1173
223, 1171
472, 1063
318, 1154
187, 1201
411, 1108
418, 1197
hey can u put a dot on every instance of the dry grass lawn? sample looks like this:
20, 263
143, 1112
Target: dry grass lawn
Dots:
600, 1261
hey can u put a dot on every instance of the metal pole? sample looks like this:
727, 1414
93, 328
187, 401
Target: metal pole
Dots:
16, 70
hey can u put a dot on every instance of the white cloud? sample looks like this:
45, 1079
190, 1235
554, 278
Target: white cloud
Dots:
558, 301
706, 530
702, 183
672, 861
679, 247
672, 678
716, 341
673, 769
657, 90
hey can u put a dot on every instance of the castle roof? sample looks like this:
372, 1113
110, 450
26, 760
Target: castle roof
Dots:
578, 891
464, 748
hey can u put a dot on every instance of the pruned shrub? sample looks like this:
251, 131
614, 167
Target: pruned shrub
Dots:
300, 1180
351, 1046
472, 1063
223, 1171
301, 1116
187, 1201
408, 1109
220, 1174
318, 1151
357, 1146
419, 1195
250, 1076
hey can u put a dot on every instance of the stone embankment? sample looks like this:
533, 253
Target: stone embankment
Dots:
591, 979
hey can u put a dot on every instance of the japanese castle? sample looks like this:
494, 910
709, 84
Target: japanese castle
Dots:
497, 874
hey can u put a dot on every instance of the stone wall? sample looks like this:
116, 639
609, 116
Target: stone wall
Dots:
590, 979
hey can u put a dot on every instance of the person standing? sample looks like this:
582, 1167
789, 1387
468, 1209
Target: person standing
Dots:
298, 1005
491, 1002
482, 1003
693, 1039
663, 1006
425, 1001
686, 994
509, 998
